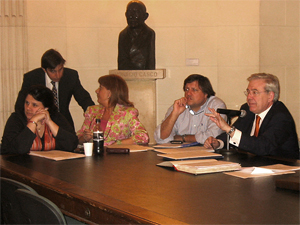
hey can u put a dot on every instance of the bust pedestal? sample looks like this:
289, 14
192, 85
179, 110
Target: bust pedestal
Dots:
142, 92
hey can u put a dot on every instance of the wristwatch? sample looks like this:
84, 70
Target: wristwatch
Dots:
231, 130
183, 137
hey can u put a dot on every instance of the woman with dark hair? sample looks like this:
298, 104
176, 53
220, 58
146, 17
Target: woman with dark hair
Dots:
39, 127
119, 118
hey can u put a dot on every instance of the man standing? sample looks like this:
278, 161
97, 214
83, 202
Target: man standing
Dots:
137, 41
64, 83
185, 120
268, 127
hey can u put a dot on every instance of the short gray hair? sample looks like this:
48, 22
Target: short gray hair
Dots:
272, 83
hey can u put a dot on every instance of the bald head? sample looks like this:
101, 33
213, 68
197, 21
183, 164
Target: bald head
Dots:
136, 14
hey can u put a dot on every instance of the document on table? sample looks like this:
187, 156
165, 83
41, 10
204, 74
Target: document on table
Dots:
190, 155
170, 145
56, 155
271, 170
173, 150
133, 148
201, 166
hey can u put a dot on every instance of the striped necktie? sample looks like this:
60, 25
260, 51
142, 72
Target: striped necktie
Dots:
257, 125
54, 90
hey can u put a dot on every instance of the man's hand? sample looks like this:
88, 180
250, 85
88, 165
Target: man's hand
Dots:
179, 105
217, 119
168, 124
211, 142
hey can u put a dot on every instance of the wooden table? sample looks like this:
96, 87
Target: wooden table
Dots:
131, 189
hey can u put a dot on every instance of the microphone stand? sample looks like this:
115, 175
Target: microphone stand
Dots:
227, 150
227, 147
229, 122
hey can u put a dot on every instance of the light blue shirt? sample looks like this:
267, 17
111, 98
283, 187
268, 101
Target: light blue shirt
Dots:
199, 125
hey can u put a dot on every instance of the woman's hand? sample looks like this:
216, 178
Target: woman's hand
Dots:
46, 114
42, 116
87, 135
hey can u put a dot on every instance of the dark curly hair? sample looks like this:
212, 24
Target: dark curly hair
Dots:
203, 83
43, 95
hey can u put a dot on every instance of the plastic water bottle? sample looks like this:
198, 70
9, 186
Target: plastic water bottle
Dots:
98, 139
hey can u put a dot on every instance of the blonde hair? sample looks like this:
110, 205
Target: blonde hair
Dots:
118, 88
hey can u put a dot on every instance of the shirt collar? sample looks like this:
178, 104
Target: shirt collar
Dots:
202, 108
263, 114
47, 78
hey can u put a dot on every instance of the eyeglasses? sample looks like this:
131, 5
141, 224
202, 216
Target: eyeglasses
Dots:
192, 89
253, 92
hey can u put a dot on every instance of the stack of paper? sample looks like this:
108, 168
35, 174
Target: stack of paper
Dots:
271, 170
56, 155
201, 166
190, 155
189, 149
133, 148
170, 145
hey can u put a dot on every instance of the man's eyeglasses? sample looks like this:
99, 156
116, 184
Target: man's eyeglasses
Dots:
253, 92
192, 89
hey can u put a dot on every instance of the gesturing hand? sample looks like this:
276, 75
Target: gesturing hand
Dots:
217, 119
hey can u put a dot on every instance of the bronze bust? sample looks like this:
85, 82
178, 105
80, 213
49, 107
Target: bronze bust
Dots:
137, 41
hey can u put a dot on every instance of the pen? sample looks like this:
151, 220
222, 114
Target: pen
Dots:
213, 146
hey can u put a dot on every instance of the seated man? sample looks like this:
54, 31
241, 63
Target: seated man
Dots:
268, 127
137, 41
185, 120
64, 82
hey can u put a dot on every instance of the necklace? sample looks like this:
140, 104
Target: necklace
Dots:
39, 128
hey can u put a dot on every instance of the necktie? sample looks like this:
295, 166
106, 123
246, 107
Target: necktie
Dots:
54, 90
256, 126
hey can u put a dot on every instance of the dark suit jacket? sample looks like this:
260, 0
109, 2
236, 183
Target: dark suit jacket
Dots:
68, 85
18, 138
277, 134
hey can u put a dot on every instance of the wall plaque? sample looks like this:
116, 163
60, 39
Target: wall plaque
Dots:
140, 74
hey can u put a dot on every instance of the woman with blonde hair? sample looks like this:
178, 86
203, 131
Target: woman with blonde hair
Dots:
119, 118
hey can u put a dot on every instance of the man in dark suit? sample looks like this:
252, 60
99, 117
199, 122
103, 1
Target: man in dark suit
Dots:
268, 127
64, 81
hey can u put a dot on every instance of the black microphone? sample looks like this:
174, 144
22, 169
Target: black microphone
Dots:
232, 113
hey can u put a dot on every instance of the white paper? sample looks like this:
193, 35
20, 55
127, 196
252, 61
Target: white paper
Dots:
258, 170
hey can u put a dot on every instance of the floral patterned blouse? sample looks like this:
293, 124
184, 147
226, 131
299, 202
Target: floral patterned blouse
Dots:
122, 124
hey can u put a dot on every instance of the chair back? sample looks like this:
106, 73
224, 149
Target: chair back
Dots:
37, 209
10, 210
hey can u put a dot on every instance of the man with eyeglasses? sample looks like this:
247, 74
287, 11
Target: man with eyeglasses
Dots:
268, 127
185, 120
64, 82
